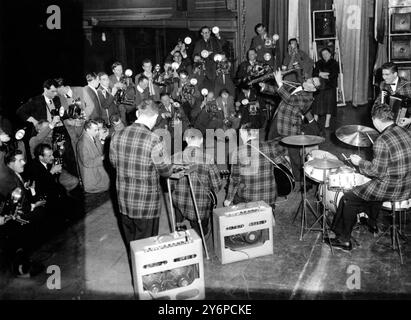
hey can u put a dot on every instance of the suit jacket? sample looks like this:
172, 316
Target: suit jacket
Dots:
108, 105
94, 176
205, 177
92, 105
156, 95
216, 46
229, 111
139, 158
259, 45
290, 110
243, 71
36, 108
390, 169
46, 183
164, 123
252, 175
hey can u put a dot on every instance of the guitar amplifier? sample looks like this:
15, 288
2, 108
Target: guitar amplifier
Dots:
243, 231
401, 48
168, 267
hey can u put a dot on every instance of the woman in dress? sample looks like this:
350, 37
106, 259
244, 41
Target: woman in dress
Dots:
325, 101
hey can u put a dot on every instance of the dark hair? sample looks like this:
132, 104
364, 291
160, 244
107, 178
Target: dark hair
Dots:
59, 81
100, 74
224, 90
325, 49
146, 61
49, 83
204, 27
148, 106
91, 76
39, 150
383, 112
100, 120
163, 94
11, 156
390, 66
293, 39
114, 118
89, 123
192, 133
183, 72
115, 65
258, 25
251, 49
142, 78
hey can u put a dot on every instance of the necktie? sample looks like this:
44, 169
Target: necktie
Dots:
50, 107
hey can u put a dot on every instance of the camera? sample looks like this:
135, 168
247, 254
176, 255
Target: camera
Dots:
253, 108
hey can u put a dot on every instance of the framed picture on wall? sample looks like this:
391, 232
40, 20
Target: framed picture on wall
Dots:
324, 24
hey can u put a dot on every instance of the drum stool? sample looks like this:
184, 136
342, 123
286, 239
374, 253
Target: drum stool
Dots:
399, 207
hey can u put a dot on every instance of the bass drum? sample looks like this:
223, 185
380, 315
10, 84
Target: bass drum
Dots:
332, 198
315, 174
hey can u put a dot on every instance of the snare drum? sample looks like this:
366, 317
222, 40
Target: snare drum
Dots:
345, 179
332, 198
318, 174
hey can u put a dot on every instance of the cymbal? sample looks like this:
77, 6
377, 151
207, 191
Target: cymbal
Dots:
325, 163
356, 135
303, 140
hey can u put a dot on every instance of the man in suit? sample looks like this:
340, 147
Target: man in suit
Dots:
287, 120
106, 96
252, 175
153, 90
20, 240
211, 45
90, 160
41, 107
135, 95
297, 59
393, 84
69, 96
245, 67
116, 77
390, 172
139, 158
205, 177
264, 44
92, 104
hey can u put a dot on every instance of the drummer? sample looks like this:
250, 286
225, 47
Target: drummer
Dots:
295, 105
390, 171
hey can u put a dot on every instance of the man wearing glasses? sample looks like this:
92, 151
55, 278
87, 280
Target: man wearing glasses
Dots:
288, 118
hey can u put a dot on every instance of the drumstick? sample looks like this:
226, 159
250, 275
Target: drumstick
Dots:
348, 160
369, 138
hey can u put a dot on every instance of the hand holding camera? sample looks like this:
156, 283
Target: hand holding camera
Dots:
56, 169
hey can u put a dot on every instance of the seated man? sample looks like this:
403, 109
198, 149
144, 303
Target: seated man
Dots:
252, 174
44, 136
90, 159
391, 180
205, 177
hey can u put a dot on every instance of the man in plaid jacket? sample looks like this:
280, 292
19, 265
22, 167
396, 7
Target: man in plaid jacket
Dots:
252, 175
204, 176
391, 177
139, 159
288, 119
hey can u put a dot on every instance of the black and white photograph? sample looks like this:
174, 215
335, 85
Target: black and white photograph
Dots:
221, 151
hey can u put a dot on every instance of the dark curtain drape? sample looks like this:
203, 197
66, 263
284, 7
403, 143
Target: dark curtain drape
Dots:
278, 23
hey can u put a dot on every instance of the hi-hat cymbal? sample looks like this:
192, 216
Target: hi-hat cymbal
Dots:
325, 163
303, 140
356, 135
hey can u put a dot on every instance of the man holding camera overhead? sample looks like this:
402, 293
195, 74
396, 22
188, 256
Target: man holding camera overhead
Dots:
207, 48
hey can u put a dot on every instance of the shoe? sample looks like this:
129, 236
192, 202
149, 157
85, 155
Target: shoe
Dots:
373, 229
338, 244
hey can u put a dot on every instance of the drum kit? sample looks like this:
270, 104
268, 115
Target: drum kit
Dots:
333, 176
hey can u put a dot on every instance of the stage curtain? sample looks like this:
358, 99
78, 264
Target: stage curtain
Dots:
352, 24
278, 23
293, 18
304, 26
